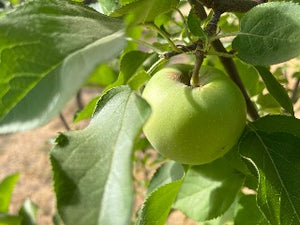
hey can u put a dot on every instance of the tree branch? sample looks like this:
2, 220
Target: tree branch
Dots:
228, 63
231, 6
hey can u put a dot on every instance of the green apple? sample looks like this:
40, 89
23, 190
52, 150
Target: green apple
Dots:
194, 125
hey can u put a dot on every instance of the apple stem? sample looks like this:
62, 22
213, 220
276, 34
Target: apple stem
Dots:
195, 80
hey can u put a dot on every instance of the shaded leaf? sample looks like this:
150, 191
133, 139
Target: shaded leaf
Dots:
6, 188
202, 197
275, 89
275, 155
146, 10
109, 6
275, 123
248, 212
92, 174
270, 34
268, 104
194, 24
46, 57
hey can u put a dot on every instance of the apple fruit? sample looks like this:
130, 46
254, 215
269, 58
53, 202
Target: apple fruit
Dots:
193, 125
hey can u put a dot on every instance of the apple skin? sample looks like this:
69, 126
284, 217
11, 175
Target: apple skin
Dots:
193, 125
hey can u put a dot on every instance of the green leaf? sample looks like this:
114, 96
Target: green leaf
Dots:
28, 212
46, 57
109, 6
202, 197
227, 218
130, 63
297, 1
167, 173
248, 212
296, 75
274, 123
137, 80
103, 75
270, 34
146, 10
194, 24
275, 89
268, 104
92, 174
6, 188
88, 110
164, 188
6, 219
250, 77
275, 155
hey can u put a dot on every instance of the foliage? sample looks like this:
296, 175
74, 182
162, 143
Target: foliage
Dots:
49, 50
27, 212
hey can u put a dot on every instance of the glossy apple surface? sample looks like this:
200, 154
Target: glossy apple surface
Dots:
194, 125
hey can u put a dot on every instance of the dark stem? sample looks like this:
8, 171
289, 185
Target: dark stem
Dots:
64, 122
211, 28
229, 66
198, 9
183, 49
231, 69
87, 2
232, 5
295, 91
79, 100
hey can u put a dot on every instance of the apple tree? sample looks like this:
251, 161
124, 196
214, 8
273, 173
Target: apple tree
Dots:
204, 82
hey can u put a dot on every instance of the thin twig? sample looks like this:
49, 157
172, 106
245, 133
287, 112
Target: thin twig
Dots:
212, 26
64, 122
232, 5
79, 100
295, 91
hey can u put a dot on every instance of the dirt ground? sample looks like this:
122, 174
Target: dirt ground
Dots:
27, 153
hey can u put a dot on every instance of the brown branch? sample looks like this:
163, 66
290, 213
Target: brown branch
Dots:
228, 63
231, 69
231, 5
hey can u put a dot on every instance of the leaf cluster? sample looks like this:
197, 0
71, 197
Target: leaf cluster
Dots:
51, 50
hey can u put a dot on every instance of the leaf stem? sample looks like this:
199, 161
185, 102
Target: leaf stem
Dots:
145, 44
164, 35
